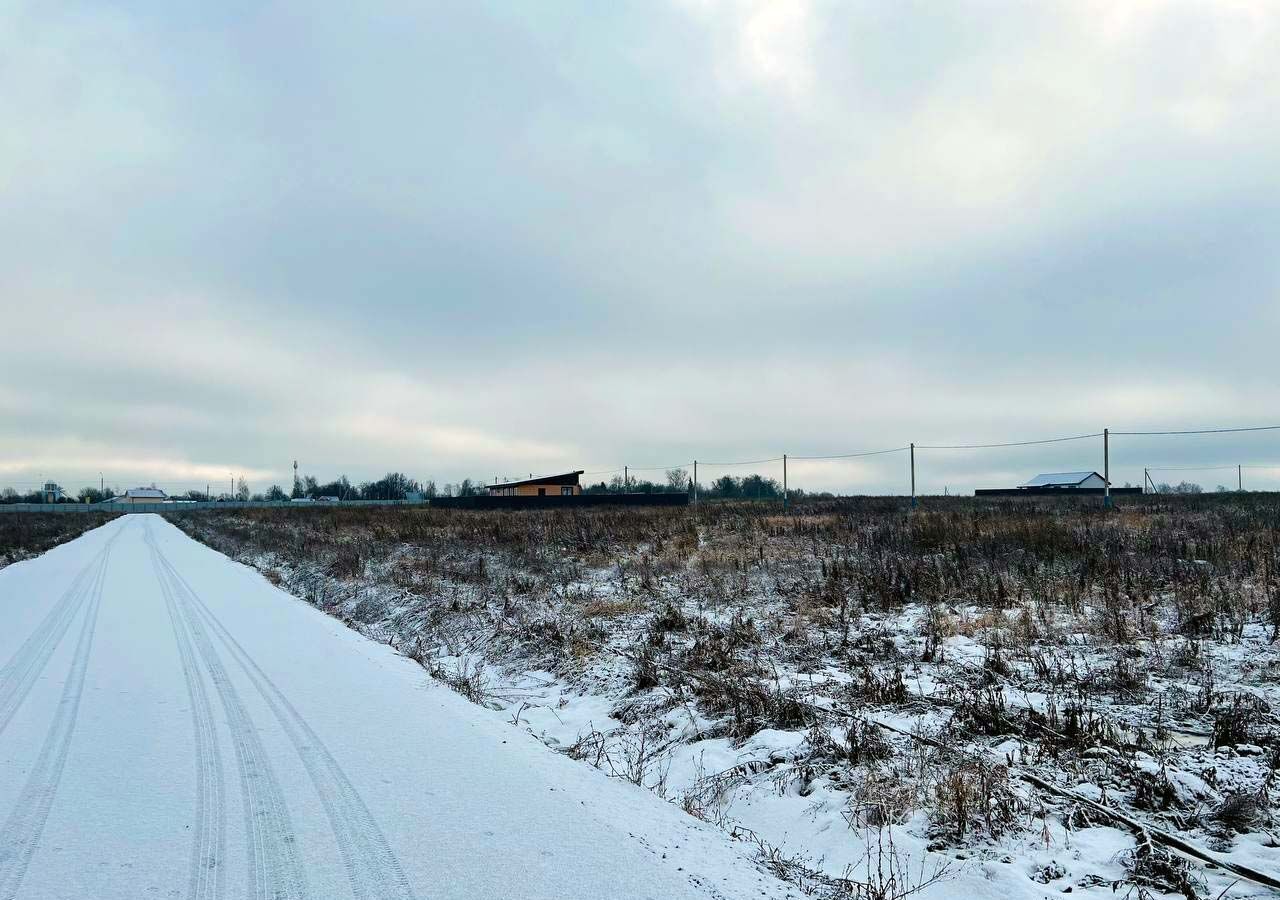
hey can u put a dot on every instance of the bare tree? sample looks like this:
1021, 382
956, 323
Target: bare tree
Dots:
677, 479
1182, 487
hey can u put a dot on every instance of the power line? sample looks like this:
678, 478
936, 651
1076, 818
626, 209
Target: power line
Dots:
640, 469
1078, 437
1202, 431
1192, 468
745, 462
867, 453
852, 455
1207, 468
660, 468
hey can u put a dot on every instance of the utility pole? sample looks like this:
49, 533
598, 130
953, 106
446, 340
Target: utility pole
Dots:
695, 482
232, 476
1106, 468
1239, 477
102, 484
1148, 482
206, 492
626, 479
913, 475
784, 481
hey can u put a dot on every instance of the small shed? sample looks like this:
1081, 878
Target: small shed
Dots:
52, 492
1067, 481
565, 485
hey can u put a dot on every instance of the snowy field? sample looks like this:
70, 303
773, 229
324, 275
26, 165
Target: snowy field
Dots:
980, 699
172, 725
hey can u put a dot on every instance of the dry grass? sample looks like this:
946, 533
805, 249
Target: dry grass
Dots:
23, 535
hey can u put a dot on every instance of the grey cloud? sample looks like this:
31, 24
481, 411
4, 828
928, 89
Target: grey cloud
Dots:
456, 238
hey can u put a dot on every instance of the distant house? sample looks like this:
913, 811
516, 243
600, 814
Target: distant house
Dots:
1059, 484
565, 485
141, 495
1067, 481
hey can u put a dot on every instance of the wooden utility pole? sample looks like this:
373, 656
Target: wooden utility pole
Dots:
913, 475
1106, 467
626, 479
1239, 477
695, 482
784, 481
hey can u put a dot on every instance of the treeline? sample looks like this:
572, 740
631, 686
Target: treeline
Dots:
398, 486
86, 495
1184, 487
392, 486
726, 487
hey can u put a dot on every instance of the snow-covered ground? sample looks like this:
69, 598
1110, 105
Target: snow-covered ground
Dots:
171, 725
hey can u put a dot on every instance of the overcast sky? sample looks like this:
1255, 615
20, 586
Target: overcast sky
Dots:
479, 239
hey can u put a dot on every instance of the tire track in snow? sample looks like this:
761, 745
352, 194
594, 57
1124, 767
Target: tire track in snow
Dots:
21, 832
275, 868
209, 842
374, 871
24, 668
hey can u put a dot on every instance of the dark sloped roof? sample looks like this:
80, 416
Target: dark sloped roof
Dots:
566, 478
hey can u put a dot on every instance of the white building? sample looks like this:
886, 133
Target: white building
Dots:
141, 495
1066, 481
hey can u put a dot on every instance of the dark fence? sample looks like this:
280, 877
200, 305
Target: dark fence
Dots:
558, 501
1055, 492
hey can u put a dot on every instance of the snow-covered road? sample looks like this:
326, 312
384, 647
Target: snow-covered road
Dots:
171, 725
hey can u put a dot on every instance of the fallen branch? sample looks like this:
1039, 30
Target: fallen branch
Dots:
1150, 834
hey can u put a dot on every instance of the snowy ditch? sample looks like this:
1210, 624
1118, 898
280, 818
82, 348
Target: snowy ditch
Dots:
925, 749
